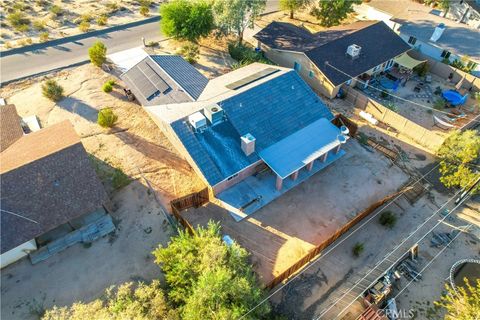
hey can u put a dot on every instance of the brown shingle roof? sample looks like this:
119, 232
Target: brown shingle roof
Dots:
10, 128
46, 176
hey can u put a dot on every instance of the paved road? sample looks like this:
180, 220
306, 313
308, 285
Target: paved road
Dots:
22, 65
30, 63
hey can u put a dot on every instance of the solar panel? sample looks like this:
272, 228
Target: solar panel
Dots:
251, 78
157, 81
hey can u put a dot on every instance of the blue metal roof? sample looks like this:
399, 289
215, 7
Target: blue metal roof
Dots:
270, 112
189, 78
302, 147
216, 150
275, 109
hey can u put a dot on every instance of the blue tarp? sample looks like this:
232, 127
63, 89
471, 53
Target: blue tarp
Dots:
297, 150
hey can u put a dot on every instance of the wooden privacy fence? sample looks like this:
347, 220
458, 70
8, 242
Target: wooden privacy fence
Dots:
315, 251
193, 200
419, 134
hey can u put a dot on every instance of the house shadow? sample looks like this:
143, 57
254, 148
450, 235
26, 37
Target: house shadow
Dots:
79, 107
153, 151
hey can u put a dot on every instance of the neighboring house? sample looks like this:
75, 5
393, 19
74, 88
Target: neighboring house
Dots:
49, 189
164, 80
464, 11
252, 134
427, 32
330, 58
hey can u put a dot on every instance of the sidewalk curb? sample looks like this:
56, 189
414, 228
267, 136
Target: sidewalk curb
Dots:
56, 42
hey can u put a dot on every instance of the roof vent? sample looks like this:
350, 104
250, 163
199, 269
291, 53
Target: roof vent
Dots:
248, 144
214, 113
198, 121
437, 33
353, 51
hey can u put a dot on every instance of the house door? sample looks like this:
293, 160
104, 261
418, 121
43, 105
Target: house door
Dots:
297, 66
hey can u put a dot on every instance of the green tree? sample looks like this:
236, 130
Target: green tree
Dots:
458, 155
190, 52
236, 15
52, 90
463, 304
186, 20
331, 13
293, 5
208, 279
98, 53
141, 302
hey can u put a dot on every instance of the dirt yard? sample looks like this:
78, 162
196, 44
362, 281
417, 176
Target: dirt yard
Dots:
419, 296
57, 19
134, 145
282, 232
84, 272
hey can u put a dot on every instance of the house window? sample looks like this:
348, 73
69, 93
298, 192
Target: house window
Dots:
349, 82
445, 54
297, 66
412, 40
231, 177
376, 68
311, 74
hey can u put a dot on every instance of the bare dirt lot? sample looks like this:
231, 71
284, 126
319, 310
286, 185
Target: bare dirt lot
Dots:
84, 272
57, 19
282, 232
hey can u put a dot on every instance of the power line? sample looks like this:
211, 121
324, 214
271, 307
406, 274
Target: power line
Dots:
397, 260
391, 253
426, 266
333, 247
18, 215
390, 94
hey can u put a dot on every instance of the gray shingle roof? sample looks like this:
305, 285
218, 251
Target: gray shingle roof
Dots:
189, 78
379, 44
275, 109
269, 111
48, 178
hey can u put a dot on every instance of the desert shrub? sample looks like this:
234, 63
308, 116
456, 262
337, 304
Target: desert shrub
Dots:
145, 3
144, 11
28, 41
152, 44
7, 45
102, 20
358, 249
363, 138
86, 17
112, 7
446, 60
39, 25
107, 118
392, 107
190, 52
422, 69
98, 53
245, 54
52, 90
111, 82
439, 104
107, 87
119, 179
84, 26
56, 10
44, 36
19, 21
388, 219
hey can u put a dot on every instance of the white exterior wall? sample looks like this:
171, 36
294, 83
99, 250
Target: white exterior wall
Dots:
17, 253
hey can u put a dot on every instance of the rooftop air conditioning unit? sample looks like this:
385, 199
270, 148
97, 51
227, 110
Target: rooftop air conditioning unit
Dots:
197, 120
353, 51
214, 113
248, 144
